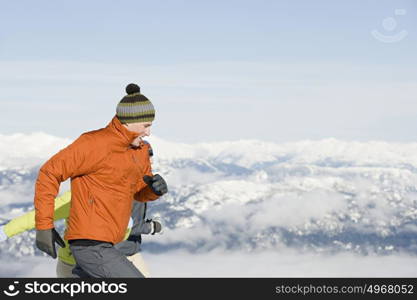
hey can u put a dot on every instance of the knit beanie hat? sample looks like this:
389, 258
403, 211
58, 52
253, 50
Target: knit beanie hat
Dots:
135, 107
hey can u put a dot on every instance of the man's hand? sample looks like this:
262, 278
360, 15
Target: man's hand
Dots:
156, 183
46, 239
156, 225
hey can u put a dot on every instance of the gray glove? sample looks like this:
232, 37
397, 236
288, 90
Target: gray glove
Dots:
46, 239
156, 183
156, 226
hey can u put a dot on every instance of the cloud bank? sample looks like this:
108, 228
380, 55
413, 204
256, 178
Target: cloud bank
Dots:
343, 200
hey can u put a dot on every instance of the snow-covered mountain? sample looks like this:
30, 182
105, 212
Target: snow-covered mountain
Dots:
325, 196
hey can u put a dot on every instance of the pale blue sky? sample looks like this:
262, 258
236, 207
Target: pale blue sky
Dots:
215, 70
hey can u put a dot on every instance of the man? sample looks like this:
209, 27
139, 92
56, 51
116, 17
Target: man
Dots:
65, 262
108, 168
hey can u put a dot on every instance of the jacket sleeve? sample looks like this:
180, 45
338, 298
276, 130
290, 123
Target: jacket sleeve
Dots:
77, 159
145, 193
146, 228
27, 221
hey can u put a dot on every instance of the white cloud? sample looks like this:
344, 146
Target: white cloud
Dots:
296, 210
28, 267
20, 193
327, 195
283, 263
190, 176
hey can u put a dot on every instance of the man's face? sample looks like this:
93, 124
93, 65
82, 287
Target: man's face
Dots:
142, 128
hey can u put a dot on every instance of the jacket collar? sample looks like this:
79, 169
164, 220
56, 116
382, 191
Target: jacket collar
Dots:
125, 137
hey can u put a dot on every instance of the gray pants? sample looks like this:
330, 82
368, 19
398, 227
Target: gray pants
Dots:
102, 261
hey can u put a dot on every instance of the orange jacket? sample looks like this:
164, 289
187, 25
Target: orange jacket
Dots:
106, 174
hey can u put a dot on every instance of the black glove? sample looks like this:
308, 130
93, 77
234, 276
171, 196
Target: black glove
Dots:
46, 239
156, 183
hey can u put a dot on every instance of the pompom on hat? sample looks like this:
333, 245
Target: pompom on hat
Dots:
135, 107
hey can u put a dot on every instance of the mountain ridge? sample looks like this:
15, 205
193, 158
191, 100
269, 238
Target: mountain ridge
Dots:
326, 195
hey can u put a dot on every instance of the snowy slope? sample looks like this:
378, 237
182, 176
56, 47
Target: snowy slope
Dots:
325, 196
